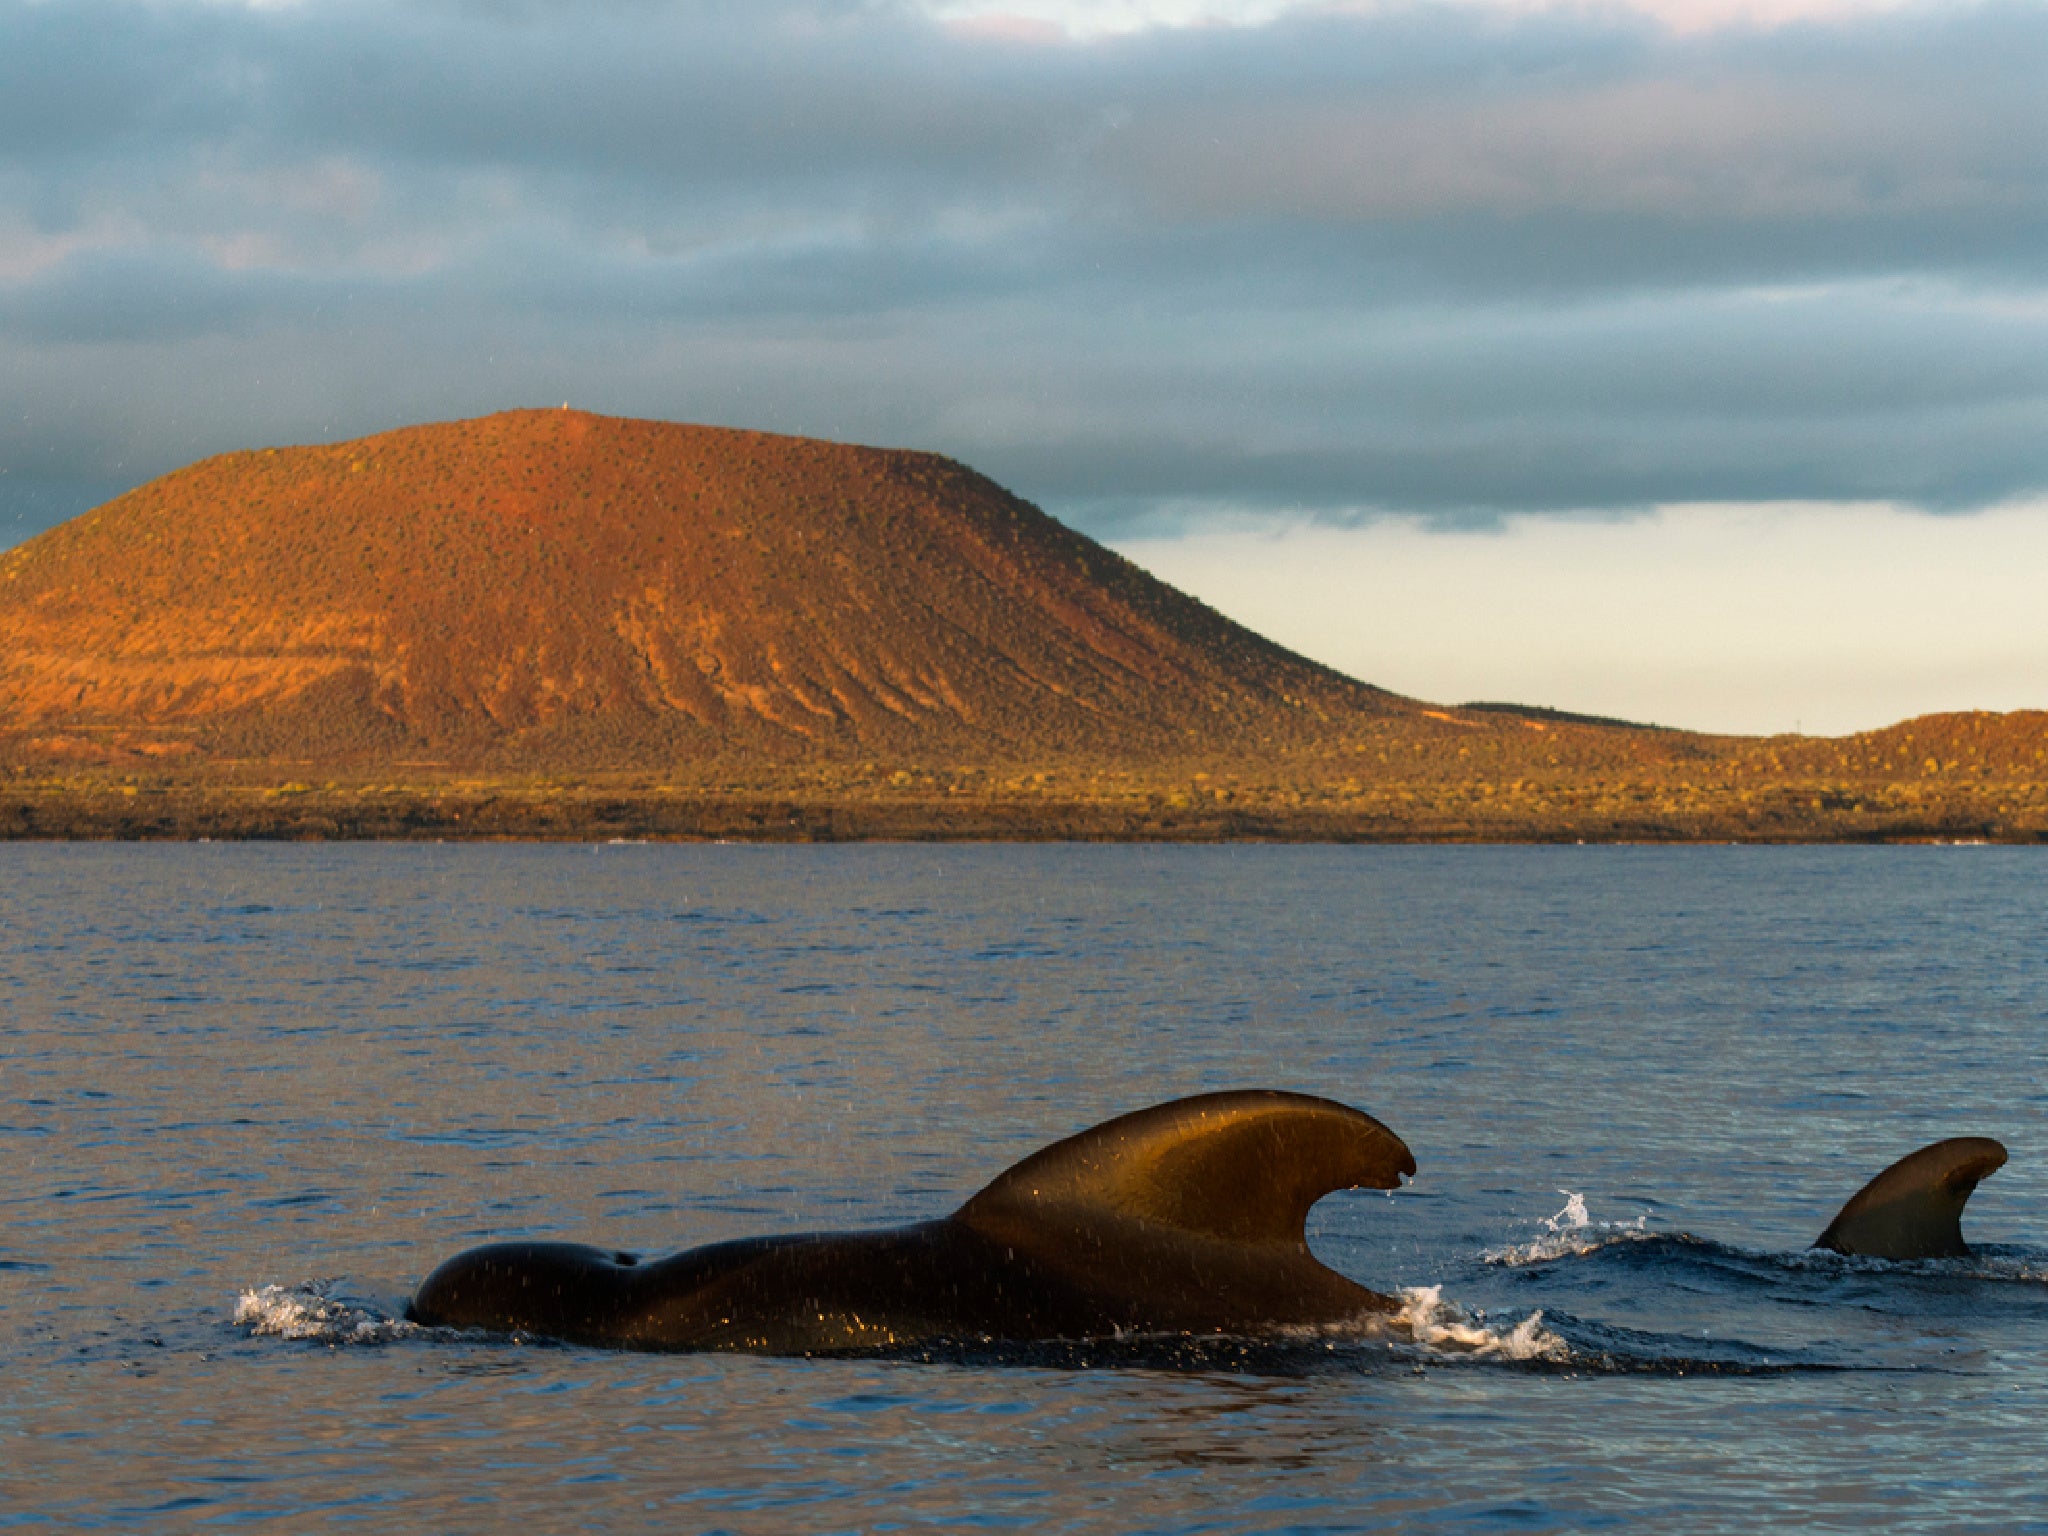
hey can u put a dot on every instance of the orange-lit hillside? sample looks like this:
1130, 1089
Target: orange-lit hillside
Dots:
560, 587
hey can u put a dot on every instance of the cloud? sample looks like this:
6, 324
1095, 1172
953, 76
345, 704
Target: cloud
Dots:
1461, 261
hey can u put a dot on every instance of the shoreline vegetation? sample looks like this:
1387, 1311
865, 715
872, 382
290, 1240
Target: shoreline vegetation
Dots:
1706, 806
554, 625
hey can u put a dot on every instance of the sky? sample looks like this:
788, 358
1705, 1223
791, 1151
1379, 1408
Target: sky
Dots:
1685, 360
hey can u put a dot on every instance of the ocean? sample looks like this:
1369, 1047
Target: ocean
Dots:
251, 1094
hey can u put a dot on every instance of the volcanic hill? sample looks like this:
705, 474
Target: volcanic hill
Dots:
554, 624
553, 589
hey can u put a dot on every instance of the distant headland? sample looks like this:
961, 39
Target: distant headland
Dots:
554, 624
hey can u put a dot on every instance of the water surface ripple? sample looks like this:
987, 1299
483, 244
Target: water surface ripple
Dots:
250, 1094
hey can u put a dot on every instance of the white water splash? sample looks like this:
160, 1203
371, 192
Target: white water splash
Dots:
308, 1311
1445, 1326
1571, 1233
1572, 1217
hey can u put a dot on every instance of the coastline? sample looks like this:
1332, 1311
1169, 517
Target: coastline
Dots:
596, 811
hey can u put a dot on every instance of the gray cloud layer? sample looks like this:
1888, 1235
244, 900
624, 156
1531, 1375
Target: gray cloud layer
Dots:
1432, 259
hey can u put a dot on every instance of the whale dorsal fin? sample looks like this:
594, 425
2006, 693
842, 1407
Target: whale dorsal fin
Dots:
1241, 1167
1914, 1209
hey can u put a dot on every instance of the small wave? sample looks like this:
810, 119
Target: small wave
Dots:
309, 1310
2020, 1267
1444, 1327
1571, 1233
1607, 1349
1425, 1330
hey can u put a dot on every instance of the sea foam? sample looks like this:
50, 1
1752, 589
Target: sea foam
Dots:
310, 1311
1571, 1233
1444, 1327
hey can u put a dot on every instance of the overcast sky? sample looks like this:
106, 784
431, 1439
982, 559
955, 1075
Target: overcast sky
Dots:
1696, 336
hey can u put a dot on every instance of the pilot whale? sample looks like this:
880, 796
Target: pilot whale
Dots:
1914, 1208
1186, 1218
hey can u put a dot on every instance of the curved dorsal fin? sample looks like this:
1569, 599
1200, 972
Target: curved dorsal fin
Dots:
1914, 1209
1240, 1167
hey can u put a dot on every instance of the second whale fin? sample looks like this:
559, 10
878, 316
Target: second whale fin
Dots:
1914, 1209
1240, 1167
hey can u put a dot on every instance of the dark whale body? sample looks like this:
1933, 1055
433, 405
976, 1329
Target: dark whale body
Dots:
1914, 1208
1186, 1218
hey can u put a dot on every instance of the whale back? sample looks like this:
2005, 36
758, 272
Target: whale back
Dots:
1187, 1218
1914, 1208
1240, 1168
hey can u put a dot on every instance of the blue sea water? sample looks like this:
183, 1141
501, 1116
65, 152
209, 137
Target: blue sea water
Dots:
250, 1094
